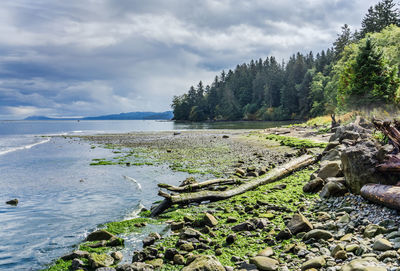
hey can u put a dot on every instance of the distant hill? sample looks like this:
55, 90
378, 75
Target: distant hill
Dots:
37, 118
167, 115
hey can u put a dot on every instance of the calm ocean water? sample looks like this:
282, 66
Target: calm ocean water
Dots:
61, 197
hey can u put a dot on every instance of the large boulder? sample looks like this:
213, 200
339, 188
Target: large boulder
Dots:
351, 132
359, 166
205, 263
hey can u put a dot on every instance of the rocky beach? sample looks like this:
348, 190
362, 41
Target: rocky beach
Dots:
310, 219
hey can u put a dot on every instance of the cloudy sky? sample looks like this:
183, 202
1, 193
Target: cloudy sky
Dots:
95, 57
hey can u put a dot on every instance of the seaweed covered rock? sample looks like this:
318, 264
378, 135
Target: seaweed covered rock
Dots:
99, 236
100, 260
205, 263
135, 266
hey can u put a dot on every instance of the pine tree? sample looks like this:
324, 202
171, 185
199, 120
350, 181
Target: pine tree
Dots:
342, 40
379, 16
372, 81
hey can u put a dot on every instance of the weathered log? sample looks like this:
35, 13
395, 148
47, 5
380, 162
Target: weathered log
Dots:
388, 130
197, 186
392, 164
387, 195
160, 208
273, 175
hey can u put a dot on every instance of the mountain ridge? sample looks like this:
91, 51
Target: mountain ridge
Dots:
166, 115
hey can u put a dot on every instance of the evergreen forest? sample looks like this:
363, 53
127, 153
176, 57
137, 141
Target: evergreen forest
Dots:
359, 71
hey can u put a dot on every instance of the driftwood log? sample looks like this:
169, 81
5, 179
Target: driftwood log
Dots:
200, 196
197, 186
389, 130
387, 195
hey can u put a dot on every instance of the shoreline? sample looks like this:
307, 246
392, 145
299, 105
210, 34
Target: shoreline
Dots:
253, 139
272, 205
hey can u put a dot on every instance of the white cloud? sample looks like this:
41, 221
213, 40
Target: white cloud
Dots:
103, 56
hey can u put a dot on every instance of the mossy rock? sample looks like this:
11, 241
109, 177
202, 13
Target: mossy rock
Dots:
100, 260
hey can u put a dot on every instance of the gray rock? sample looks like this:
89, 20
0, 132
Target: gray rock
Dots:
189, 233
265, 263
105, 269
330, 169
151, 239
318, 234
365, 264
382, 245
373, 230
388, 254
117, 255
204, 263
331, 155
210, 220
13, 202
299, 223
177, 225
316, 262
245, 226
247, 266
266, 252
333, 189
284, 235
313, 186
359, 166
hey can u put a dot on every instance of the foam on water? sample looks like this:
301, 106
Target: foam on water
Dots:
12, 144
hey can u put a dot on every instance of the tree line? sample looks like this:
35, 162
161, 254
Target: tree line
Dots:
360, 70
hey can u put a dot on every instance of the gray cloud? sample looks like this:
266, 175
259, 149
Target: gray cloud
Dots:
80, 58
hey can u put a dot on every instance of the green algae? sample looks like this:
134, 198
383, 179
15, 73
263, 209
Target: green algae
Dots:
291, 198
295, 142
59, 265
128, 226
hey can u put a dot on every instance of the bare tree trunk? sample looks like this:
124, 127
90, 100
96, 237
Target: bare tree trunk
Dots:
387, 195
197, 186
271, 176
